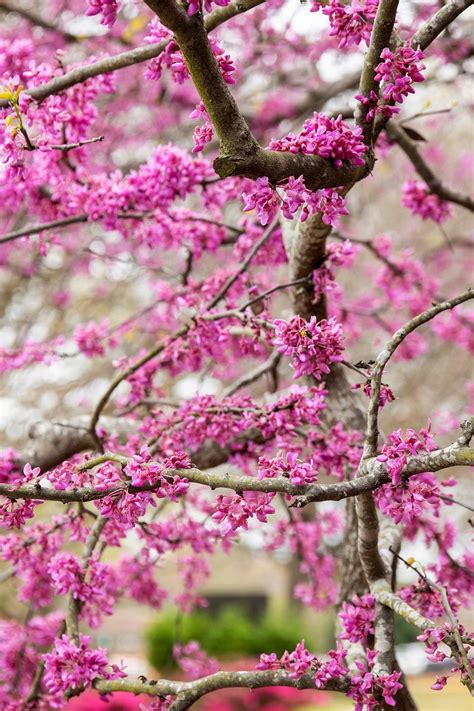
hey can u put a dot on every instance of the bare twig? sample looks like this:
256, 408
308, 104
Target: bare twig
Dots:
132, 56
435, 185
382, 359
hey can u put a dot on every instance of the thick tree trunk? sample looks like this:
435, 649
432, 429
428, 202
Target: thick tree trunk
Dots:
306, 249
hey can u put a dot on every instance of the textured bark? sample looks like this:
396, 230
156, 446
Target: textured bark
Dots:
188, 692
374, 474
409, 147
306, 248
305, 245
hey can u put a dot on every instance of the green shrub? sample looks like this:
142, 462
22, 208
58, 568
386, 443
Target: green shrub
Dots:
404, 631
227, 635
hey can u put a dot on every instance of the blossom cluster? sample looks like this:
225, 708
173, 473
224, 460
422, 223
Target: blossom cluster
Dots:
432, 638
172, 58
330, 138
193, 660
108, 9
398, 71
337, 255
312, 345
297, 663
90, 338
94, 585
402, 444
418, 198
327, 137
298, 472
406, 501
367, 688
350, 22
194, 6
75, 665
143, 219
233, 512
357, 618
308, 541
385, 395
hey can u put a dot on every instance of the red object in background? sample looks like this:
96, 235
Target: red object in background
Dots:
119, 701
279, 698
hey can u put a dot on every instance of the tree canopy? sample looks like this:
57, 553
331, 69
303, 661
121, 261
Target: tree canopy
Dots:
235, 286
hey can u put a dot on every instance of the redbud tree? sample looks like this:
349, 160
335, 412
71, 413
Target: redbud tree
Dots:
229, 228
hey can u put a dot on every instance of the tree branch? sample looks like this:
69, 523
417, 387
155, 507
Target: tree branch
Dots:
240, 153
37, 20
132, 56
250, 377
374, 474
431, 29
379, 39
385, 355
397, 133
187, 692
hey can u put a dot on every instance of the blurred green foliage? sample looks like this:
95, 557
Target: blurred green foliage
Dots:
404, 631
228, 634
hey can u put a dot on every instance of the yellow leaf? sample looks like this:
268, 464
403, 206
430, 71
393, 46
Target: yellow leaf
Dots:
10, 119
5, 94
410, 560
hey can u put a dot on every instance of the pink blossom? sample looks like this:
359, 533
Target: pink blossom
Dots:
107, 8
194, 6
263, 199
268, 661
420, 201
90, 338
193, 660
202, 135
14, 513
385, 396
398, 71
295, 469
406, 501
351, 23
299, 662
93, 584
327, 137
76, 665
311, 345
401, 444
234, 512
358, 617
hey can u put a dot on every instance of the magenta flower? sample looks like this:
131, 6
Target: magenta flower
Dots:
298, 662
107, 8
76, 665
311, 345
202, 135
351, 23
298, 472
263, 199
327, 137
398, 71
358, 617
420, 201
